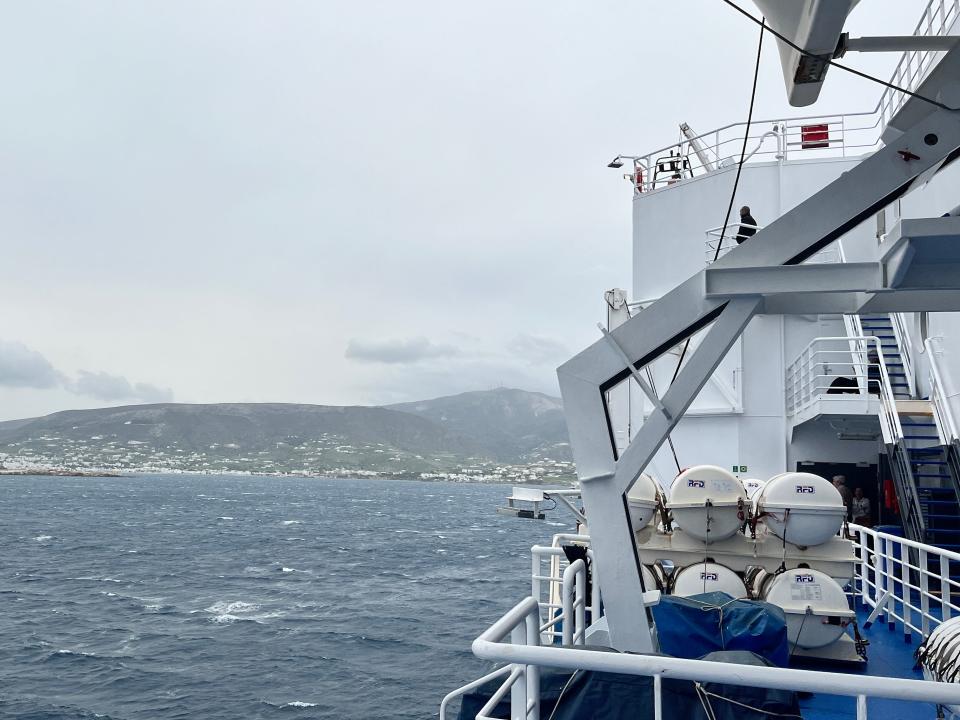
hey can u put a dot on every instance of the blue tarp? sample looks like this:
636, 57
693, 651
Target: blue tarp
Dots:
692, 627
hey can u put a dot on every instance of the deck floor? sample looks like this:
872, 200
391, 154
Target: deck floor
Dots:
888, 654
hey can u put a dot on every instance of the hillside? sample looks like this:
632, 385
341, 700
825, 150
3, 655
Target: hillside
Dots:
504, 424
499, 433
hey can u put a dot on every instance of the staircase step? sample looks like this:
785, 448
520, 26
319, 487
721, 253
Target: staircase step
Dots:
931, 475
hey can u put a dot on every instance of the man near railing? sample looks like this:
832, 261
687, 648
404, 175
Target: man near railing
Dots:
748, 226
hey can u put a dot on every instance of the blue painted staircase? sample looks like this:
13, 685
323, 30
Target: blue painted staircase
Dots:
933, 469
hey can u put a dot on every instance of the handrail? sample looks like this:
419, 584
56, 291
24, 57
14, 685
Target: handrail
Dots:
454, 694
946, 422
805, 383
556, 593
893, 578
488, 647
905, 344
720, 233
937, 19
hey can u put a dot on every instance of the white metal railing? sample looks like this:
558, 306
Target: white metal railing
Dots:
550, 587
947, 427
937, 19
903, 581
726, 237
815, 136
893, 578
489, 646
569, 614
859, 359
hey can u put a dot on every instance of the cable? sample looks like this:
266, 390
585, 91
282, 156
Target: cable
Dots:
746, 136
831, 61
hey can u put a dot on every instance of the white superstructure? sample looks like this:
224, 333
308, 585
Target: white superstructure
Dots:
825, 344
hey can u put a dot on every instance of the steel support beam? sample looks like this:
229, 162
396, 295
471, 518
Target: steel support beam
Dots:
825, 278
832, 212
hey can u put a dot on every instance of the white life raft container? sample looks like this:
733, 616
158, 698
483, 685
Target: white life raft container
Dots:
707, 503
801, 508
815, 605
642, 500
707, 577
752, 486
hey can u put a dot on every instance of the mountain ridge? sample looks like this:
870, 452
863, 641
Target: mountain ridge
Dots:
476, 432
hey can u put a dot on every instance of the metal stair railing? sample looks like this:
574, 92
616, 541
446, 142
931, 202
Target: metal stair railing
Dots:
947, 426
806, 382
905, 346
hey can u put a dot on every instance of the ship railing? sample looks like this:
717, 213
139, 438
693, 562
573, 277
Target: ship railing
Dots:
937, 19
726, 237
812, 380
812, 136
569, 615
904, 582
946, 422
556, 591
901, 334
813, 377
525, 656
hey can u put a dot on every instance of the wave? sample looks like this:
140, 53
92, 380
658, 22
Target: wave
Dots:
225, 517
291, 522
298, 704
232, 608
227, 613
43, 538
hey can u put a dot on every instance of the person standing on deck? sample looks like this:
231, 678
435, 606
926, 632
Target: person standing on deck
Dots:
748, 226
861, 508
840, 483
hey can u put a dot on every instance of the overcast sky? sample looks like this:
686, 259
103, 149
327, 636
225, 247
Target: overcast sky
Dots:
340, 202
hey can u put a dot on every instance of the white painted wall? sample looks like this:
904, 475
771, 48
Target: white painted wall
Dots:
669, 236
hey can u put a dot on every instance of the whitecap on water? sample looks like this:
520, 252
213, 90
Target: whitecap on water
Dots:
224, 517
290, 522
298, 704
232, 608
43, 538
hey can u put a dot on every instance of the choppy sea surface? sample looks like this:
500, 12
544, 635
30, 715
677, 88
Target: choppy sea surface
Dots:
246, 597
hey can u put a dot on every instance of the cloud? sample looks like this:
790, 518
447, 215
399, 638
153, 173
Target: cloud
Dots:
538, 350
25, 368
22, 367
397, 352
104, 386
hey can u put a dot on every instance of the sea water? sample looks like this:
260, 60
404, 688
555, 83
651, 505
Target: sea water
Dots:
250, 597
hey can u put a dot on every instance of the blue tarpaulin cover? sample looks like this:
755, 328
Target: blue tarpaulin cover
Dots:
694, 626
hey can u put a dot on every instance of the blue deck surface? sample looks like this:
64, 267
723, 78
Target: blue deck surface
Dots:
888, 655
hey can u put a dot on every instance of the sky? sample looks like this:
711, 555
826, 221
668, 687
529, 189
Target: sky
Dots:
341, 201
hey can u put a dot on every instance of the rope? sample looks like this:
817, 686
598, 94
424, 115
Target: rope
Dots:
762, 711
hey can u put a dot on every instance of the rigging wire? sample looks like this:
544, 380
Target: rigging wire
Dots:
834, 63
746, 136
